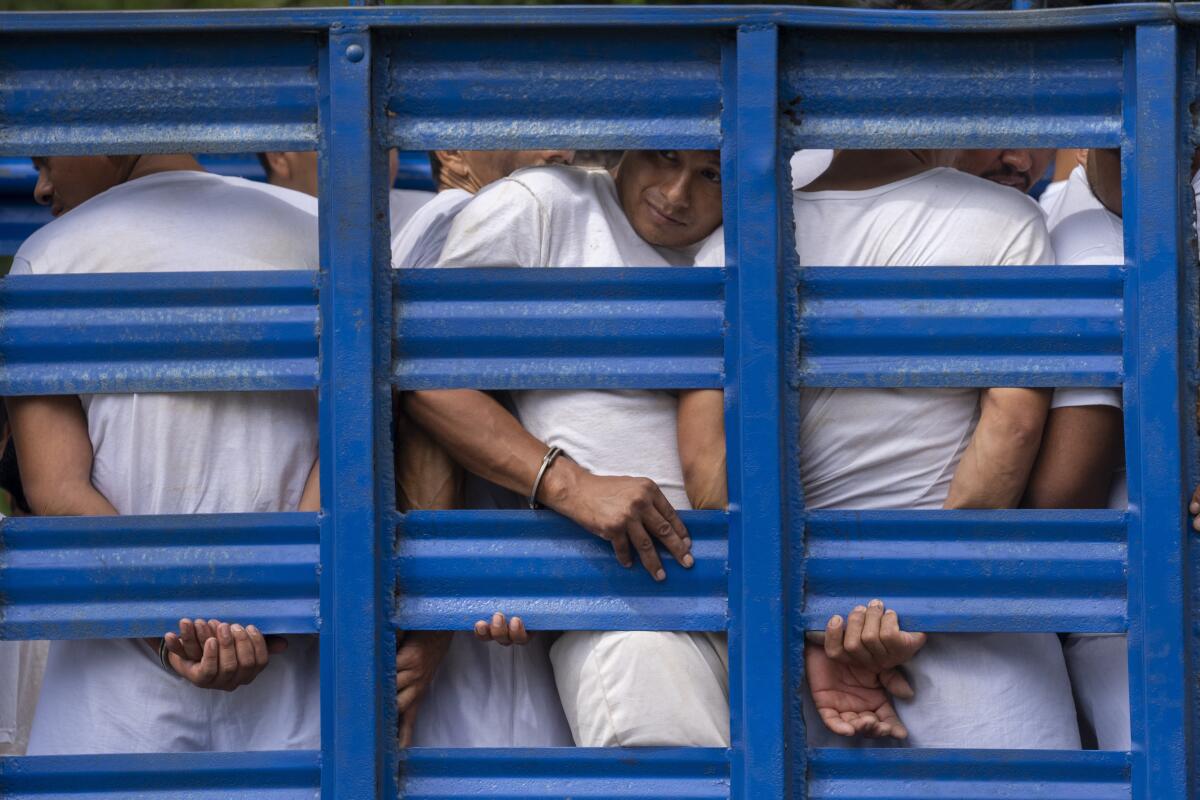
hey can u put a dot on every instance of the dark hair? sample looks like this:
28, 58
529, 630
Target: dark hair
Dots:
266, 165
10, 473
435, 169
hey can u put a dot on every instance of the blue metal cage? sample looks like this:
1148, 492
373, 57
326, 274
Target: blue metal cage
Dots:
756, 82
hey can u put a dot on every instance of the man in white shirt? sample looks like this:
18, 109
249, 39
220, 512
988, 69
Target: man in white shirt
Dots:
297, 170
458, 691
933, 448
182, 453
617, 688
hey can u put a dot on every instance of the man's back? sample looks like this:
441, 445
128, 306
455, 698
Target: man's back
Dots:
898, 448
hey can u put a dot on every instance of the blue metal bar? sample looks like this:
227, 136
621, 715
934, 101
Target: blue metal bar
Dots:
1155, 154
970, 570
961, 326
456, 567
927, 774
165, 93
357, 706
123, 332
610, 773
758, 622
514, 88
286, 775
854, 89
116, 577
558, 328
555, 18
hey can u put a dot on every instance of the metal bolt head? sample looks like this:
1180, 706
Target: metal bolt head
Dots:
355, 53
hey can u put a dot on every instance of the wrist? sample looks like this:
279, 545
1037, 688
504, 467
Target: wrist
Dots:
559, 484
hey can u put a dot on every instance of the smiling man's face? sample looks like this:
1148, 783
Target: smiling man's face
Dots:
1020, 169
671, 197
65, 182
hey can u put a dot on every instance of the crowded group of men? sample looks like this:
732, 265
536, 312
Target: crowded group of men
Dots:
620, 464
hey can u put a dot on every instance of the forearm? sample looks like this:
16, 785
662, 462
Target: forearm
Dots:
701, 434
426, 477
995, 467
480, 434
310, 498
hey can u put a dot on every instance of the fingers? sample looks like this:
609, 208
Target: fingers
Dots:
248, 665
499, 630
175, 647
900, 645
276, 644
870, 633
204, 674
516, 630
408, 722
258, 643
620, 546
406, 696
483, 631
644, 545
664, 523
502, 631
192, 646
856, 651
835, 631
227, 659
834, 722
1194, 508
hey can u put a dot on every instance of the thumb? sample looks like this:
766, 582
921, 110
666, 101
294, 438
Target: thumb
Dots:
276, 644
914, 642
896, 684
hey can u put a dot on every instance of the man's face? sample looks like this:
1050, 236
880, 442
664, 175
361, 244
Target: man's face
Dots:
671, 197
65, 182
1020, 169
489, 166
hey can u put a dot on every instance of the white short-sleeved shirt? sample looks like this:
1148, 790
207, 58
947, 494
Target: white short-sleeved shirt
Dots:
557, 216
419, 241
402, 205
183, 453
898, 448
808, 165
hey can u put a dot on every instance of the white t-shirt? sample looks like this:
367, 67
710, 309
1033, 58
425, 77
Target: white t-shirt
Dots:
419, 241
808, 165
1074, 196
402, 205
183, 453
898, 448
556, 216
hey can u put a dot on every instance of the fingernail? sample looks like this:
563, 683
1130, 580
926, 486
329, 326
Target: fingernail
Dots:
688, 561
1194, 508
835, 621
251, 629
237, 628
661, 575
875, 603
860, 608
687, 542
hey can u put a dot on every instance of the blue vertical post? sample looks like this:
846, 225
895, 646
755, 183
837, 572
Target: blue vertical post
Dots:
1153, 167
758, 695
355, 705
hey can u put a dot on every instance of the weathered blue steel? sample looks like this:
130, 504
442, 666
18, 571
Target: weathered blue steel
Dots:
1157, 128
82, 578
970, 570
519, 328
758, 622
357, 705
122, 332
960, 326
456, 567
621, 77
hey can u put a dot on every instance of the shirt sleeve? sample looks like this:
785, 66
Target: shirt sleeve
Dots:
20, 266
1085, 396
1031, 244
504, 226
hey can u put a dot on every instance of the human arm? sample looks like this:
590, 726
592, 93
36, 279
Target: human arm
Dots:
426, 477
995, 467
701, 433
1081, 449
480, 434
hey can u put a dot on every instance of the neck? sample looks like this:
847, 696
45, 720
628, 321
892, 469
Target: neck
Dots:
448, 180
854, 170
150, 164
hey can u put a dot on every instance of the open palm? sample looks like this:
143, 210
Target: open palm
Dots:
850, 700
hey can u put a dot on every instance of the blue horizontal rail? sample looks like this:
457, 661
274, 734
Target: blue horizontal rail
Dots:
878, 90
970, 570
453, 568
927, 774
111, 577
514, 86
162, 332
285, 775
960, 326
598, 328
609, 773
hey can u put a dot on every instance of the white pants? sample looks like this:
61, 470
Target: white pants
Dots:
111, 696
1099, 667
485, 695
644, 688
21, 668
980, 690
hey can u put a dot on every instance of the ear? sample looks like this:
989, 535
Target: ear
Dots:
279, 164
